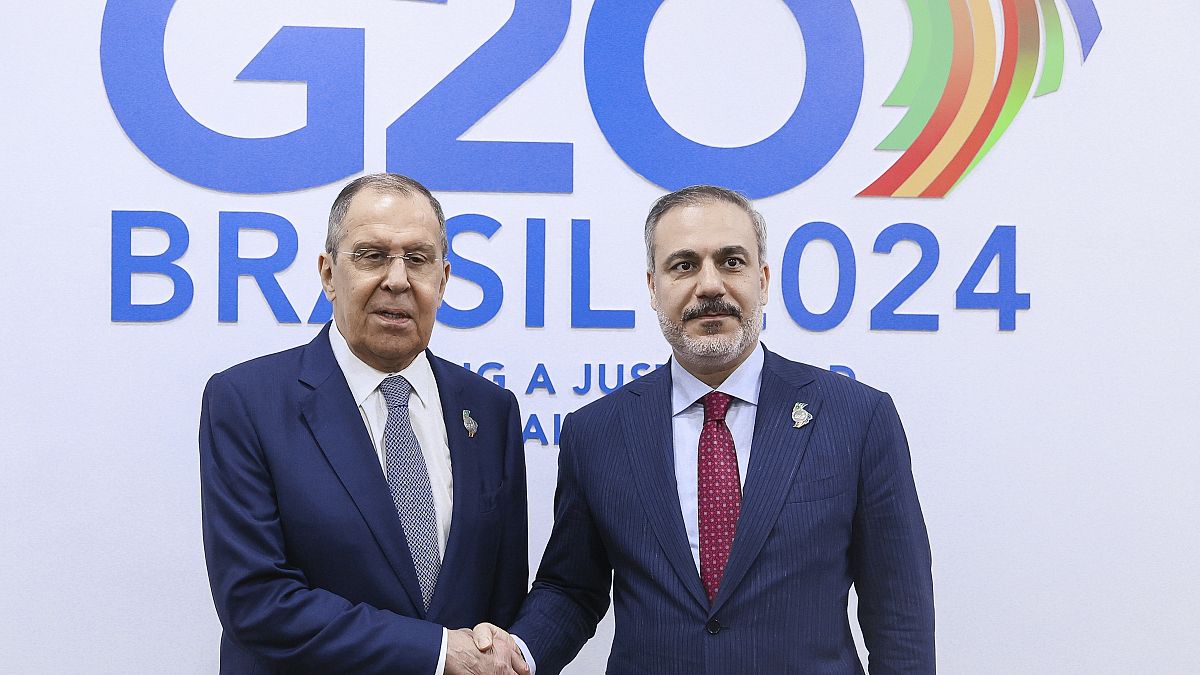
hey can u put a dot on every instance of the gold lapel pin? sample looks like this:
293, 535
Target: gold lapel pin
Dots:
800, 416
471, 425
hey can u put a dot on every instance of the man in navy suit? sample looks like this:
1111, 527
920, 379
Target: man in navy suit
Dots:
732, 498
360, 494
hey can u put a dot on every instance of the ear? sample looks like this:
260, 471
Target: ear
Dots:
653, 295
325, 270
442, 284
764, 281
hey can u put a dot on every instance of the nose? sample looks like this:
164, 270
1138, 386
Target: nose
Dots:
395, 276
709, 283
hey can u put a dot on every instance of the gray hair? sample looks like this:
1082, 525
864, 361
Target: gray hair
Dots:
391, 183
698, 195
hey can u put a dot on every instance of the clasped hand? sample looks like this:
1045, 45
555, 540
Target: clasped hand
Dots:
485, 650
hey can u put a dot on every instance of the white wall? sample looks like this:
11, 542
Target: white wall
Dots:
1056, 463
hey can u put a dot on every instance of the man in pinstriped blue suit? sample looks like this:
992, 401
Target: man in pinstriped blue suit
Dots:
821, 491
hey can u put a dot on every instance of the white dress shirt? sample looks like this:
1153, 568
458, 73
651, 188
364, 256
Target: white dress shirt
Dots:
687, 420
425, 413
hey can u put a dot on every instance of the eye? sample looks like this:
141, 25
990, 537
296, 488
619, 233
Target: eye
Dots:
683, 266
733, 263
370, 256
416, 259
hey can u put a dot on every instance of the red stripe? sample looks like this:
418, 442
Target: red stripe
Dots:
947, 108
991, 112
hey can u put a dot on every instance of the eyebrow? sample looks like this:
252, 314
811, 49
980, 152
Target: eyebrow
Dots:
423, 247
733, 250
681, 254
689, 254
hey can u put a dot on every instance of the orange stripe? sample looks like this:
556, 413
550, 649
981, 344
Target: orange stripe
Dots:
982, 73
991, 112
945, 112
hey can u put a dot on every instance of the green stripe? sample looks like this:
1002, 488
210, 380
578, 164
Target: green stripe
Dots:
926, 73
1026, 70
1052, 68
906, 88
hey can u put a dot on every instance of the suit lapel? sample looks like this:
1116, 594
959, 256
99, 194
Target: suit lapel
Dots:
776, 452
464, 467
647, 417
334, 420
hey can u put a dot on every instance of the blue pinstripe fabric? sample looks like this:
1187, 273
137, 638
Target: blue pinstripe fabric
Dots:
408, 480
824, 507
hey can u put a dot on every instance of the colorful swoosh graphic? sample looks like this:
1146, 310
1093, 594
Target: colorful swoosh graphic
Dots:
959, 102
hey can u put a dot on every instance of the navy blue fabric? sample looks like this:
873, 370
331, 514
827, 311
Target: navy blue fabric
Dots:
824, 506
308, 564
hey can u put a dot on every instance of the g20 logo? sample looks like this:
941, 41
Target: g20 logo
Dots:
957, 108
959, 102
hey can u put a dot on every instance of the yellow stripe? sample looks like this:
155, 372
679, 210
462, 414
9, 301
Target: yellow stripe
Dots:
983, 79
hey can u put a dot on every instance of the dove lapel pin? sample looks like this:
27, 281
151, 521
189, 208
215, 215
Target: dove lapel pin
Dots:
800, 416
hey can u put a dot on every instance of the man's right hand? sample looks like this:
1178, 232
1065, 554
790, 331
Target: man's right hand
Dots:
486, 651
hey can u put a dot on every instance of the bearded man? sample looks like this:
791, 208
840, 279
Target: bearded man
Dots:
733, 498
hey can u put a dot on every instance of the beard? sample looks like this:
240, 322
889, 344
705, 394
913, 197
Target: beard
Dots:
716, 349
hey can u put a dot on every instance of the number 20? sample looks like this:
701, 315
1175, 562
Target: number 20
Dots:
425, 141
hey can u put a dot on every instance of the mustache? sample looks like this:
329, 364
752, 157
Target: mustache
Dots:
709, 307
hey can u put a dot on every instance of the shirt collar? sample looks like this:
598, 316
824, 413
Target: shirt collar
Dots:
364, 380
742, 384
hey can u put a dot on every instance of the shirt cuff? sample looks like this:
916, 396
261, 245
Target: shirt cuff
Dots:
441, 664
526, 653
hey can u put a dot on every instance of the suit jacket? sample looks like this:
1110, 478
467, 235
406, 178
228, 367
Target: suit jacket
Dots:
308, 563
824, 506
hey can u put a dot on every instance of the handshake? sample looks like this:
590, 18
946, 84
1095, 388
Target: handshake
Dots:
484, 650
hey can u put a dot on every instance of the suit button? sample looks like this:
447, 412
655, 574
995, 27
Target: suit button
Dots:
713, 627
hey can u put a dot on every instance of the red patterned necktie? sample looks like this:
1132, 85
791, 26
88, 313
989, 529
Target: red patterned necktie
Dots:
719, 492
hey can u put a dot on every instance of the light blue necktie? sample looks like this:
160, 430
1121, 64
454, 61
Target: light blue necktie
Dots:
408, 480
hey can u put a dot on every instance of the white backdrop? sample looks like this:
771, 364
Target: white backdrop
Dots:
1056, 462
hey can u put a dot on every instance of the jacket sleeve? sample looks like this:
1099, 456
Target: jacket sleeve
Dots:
571, 592
511, 580
264, 603
889, 553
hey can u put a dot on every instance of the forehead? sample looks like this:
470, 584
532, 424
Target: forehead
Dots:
704, 227
386, 215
